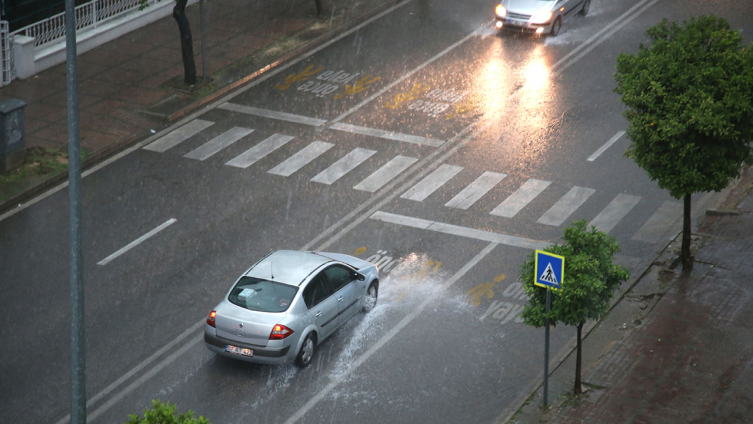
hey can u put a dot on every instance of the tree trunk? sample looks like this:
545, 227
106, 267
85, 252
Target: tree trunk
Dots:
318, 7
687, 260
578, 359
186, 42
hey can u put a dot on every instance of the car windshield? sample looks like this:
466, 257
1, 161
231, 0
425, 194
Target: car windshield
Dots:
262, 295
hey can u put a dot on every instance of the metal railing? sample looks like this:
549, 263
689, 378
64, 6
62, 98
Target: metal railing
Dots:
6, 49
87, 15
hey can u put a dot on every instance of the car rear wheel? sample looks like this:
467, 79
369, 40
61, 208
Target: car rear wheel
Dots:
371, 297
306, 354
556, 27
586, 7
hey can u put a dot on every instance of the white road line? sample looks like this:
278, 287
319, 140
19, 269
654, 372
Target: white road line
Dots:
254, 154
301, 158
407, 75
273, 114
431, 182
206, 150
346, 164
520, 198
567, 204
614, 212
143, 364
389, 135
457, 230
476, 190
583, 49
606, 145
390, 335
179, 135
661, 223
136, 242
384, 174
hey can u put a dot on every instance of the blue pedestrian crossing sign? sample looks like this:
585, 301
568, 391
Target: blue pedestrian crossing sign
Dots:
549, 270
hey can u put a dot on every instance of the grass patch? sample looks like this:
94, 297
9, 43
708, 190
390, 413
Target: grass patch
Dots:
41, 163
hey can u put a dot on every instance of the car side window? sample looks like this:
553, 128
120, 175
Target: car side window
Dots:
316, 291
338, 276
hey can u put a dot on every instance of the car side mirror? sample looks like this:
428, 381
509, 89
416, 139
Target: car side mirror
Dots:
360, 277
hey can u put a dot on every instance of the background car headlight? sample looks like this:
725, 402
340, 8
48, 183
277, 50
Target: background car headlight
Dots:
501, 12
541, 17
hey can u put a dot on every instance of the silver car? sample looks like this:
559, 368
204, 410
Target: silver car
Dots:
285, 305
537, 16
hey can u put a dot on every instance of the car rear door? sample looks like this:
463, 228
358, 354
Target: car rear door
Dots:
322, 304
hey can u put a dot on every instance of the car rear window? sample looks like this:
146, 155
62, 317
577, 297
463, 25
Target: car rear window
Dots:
262, 295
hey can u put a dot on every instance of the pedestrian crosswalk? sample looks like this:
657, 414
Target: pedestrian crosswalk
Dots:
657, 228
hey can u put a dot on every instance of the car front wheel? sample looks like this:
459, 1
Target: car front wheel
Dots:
586, 7
556, 27
369, 302
306, 354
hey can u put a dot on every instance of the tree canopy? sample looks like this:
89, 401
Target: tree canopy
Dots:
589, 282
688, 98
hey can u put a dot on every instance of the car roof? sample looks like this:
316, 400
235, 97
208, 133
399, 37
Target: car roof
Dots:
287, 266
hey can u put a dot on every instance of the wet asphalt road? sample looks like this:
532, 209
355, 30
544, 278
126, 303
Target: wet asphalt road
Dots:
467, 118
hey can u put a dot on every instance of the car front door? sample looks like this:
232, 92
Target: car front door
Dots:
322, 304
346, 290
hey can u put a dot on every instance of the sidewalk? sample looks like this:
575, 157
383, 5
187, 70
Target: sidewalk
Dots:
677, 348
125, 91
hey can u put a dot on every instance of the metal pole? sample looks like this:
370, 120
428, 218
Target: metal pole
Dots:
78, 347
546, 348
203, 56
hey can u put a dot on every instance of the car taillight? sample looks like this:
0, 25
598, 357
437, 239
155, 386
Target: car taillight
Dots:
210, 318
280, 332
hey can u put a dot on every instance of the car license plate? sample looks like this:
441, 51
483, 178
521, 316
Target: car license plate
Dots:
517, 23
239, 350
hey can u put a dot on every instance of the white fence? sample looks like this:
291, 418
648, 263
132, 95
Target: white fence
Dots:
6, 49
87, 15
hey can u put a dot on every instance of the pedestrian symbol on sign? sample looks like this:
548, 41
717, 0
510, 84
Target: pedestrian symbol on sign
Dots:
548, 275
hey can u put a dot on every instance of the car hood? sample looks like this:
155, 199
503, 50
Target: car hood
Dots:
350, 260
527, 7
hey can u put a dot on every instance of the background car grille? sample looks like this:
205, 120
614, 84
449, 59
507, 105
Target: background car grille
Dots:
519, 16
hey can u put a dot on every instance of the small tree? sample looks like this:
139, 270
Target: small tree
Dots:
689, 106
161, 413
588, 285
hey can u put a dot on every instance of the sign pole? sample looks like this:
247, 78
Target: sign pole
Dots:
546, 348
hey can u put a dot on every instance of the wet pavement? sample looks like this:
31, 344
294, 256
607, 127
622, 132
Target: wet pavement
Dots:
128, 87
677, 348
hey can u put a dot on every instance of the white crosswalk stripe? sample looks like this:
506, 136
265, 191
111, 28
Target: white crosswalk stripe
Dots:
431, 182
564, 207
384, 174
178, 135
476, 190
614, 212
520, 198
258, 152
301, 159
662, 224
344, 165
206, 150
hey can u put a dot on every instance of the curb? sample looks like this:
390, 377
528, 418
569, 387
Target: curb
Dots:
118, 147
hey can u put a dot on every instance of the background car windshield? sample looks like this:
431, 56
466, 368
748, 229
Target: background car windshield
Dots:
262, 295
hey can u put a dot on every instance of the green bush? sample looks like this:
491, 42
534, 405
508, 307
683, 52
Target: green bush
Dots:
161, 413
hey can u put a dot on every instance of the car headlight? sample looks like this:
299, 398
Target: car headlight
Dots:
501, 11
542, 17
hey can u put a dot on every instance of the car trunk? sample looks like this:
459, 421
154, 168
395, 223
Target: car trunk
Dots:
245, 326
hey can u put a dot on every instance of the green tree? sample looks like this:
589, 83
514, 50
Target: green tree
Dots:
688, 98
588, 285
161, 413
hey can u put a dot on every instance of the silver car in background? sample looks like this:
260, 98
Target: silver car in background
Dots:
537, 16
286, 304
